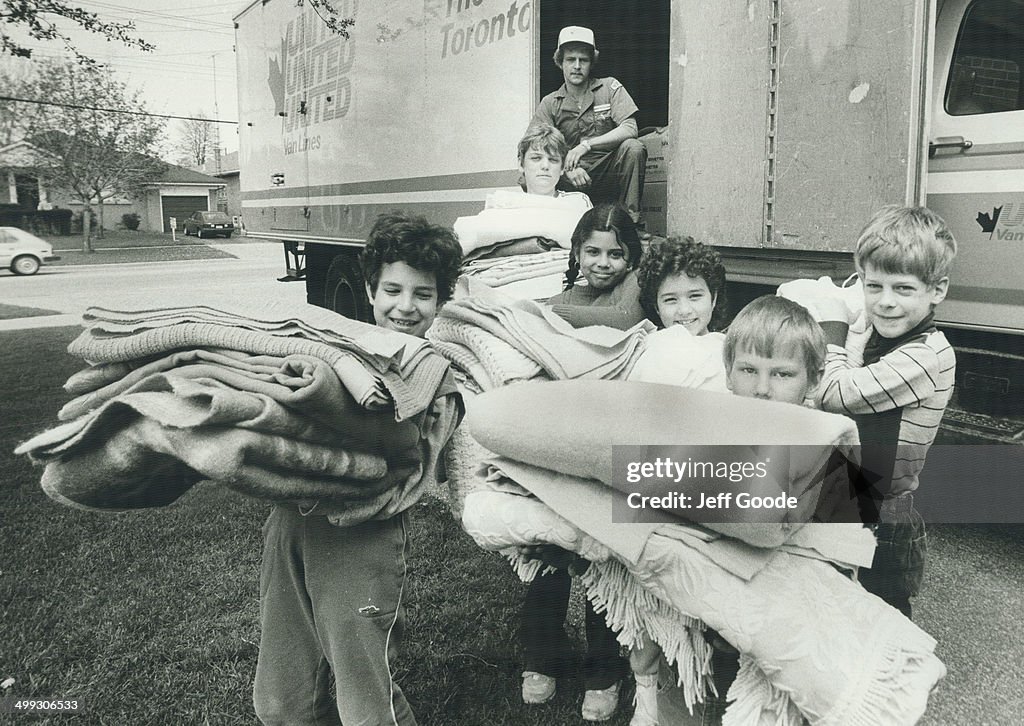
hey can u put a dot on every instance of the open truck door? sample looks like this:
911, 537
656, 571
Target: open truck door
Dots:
791, 123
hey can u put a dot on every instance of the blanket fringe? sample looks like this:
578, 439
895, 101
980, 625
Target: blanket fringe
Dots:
895, 695
631, 611
755, 701
526, 570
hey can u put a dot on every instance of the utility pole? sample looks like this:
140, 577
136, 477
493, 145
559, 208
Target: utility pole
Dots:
216, 116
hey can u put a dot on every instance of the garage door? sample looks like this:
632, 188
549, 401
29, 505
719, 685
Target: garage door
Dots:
181, 207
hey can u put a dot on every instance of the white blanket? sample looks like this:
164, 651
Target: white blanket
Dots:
513, 215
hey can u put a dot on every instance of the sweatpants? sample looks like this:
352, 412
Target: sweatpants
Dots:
330, 604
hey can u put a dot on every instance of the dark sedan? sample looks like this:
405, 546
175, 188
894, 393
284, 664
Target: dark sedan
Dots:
208, 224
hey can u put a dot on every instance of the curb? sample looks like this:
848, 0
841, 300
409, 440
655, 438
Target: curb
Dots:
41, 321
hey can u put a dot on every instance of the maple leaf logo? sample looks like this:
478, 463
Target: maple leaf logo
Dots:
275, 79
988, 222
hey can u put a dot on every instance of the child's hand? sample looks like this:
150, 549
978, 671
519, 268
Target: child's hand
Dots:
555, 556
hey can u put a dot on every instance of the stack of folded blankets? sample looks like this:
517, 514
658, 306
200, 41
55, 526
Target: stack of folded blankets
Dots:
815, 647
520, 242
495, 340
286, 402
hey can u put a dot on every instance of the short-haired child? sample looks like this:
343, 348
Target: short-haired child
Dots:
895, 384
331, 596
542, 152
774, 350
605, 252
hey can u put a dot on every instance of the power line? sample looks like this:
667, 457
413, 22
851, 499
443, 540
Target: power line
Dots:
114, 110
136, 12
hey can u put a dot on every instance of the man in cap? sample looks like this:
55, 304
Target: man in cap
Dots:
596, 116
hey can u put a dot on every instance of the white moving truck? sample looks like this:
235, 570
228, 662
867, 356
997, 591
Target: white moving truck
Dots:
779, 127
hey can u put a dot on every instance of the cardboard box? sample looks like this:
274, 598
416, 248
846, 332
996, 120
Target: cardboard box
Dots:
654, 207
657, 155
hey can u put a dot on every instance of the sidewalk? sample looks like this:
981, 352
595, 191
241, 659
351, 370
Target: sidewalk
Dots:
266, 255
40, 321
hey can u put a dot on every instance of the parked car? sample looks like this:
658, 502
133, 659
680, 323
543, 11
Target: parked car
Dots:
23, 252
208, 224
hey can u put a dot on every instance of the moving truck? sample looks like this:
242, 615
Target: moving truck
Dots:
774, 129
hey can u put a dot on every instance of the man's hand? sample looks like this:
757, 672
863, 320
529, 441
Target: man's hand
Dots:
572, 159
578, 177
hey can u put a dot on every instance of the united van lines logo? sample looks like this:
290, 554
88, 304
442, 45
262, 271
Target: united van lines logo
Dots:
309, 79
1004, 223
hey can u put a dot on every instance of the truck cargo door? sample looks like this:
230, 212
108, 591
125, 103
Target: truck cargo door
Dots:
791, 121
976, 169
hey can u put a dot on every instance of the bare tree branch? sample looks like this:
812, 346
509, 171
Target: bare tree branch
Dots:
37, 19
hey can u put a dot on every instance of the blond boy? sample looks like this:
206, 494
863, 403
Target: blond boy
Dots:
895, 382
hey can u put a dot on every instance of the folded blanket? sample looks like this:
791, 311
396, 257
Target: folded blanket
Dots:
514, 215
502, 363
676, 357
511, 248
286, 318
810, 637
660, 417
412, 390
561, 350
298, 381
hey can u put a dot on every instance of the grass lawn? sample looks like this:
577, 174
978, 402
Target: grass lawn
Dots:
142, 254
123, 245
121, 238
152, 617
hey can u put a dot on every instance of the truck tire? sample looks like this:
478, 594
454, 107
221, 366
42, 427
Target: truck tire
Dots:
344, 289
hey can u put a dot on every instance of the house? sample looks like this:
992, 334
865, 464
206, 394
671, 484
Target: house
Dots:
174, 191
224, 166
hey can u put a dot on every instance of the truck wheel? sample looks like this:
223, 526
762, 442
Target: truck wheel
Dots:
344, 290
25, 265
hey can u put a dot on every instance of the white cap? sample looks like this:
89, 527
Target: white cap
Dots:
576, 34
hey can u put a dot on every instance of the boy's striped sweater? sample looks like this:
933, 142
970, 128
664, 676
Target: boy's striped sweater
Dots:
896, 390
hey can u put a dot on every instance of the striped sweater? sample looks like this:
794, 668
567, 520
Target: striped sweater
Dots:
896, 392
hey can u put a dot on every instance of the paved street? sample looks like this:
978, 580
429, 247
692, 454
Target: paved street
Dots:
71, 289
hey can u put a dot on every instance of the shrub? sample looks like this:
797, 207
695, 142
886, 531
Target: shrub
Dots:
130, 220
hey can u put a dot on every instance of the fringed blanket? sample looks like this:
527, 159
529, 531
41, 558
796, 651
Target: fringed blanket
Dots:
814, 644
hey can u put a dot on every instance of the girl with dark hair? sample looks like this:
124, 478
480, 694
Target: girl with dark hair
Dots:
605, 251
682, 282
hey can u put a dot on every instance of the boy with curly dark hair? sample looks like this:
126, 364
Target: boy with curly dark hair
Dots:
331, 596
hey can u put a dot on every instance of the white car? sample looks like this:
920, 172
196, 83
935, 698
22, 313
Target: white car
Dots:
22, 251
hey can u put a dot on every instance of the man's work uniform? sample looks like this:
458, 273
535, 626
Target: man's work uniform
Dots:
616, 174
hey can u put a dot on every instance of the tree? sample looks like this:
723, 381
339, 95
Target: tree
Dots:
38, 19
196, 141
18, 80
96, 155
329, 14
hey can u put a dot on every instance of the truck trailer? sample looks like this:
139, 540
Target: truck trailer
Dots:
774, 129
